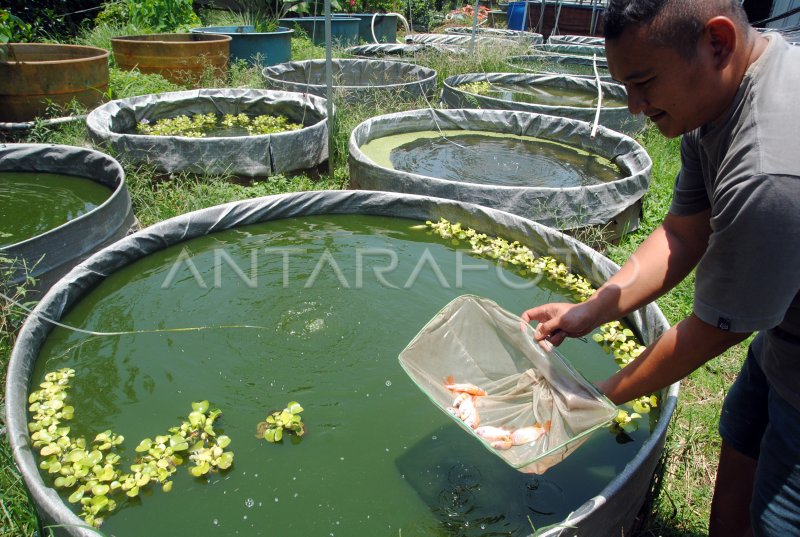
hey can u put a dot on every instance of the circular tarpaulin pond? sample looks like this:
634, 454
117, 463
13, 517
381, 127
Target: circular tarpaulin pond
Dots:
58, 205
406, 52
576, 40
529, 38
238, 152
572, 49
463, 40
355, 80
545, 168
557, 95
560, 64
363, 467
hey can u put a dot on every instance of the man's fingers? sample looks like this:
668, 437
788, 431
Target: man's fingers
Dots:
541, 332
557, 337
539, 313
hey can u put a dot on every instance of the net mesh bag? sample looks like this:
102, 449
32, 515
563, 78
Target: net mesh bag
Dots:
525, 403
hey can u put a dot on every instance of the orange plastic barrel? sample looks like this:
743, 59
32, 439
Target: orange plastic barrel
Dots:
34, 74
177, 57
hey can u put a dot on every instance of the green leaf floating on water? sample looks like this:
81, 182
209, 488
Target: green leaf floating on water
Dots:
276, 424
89, 471
200, 406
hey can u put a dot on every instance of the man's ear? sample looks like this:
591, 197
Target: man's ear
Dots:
720, 35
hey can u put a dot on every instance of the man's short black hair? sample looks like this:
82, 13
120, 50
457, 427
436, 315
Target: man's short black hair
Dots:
672, 23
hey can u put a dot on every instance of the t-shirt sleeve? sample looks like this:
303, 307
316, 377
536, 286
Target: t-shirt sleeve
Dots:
689, 195
750, 273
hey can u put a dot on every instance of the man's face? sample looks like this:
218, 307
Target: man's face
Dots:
672, 91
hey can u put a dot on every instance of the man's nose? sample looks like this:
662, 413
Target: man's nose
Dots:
636, 99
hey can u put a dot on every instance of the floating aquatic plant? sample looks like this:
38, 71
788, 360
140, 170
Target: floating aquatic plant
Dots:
89, 471
288, 420
199, 125
615, 339
478, 88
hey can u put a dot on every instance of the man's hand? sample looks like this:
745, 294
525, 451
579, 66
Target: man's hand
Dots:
559, 320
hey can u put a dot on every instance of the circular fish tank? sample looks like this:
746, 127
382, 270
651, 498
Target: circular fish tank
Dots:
58, 205
264, 48
236, 151
462, 40
344, 29
545, 168
576, 40
530, 38
402, 51
177, 57
354, 80
32, 75
557, 95
284, 311
555, 64
376, 27
571, 49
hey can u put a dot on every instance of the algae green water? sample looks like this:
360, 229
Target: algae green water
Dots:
339, 298
32, 202
491, 158
552, 95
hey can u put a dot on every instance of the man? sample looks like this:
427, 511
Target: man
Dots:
696, 68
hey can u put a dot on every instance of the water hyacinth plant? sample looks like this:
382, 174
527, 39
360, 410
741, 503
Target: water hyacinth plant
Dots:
89, 471
287, 420
199, 125
613, 337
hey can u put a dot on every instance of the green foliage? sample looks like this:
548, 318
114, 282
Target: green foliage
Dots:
282, 421
89, 471
373, 6
162, 15
123, 84
13, 30
199, 125
258, 125
113, 14
259, 12
53, 19
420, 13
478, 88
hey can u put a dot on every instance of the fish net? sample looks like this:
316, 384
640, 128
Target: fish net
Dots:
481, 365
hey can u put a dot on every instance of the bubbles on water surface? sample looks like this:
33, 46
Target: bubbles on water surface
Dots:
304, 319
456, 501
249, 502
542, 496
465, 475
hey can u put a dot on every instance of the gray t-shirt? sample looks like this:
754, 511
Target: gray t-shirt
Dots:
746, 169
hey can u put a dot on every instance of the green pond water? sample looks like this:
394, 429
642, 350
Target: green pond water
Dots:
491, 158
339, 298
32, 203
551, 96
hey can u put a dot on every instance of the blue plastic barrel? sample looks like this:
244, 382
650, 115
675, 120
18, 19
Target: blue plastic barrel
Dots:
517, 15
344, 29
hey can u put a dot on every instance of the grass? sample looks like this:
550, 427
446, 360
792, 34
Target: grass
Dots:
680, 503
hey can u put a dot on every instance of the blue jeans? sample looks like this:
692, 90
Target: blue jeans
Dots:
757, 422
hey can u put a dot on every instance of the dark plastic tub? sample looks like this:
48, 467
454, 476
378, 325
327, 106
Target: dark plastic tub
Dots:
344, 30
266, 48
384, 26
